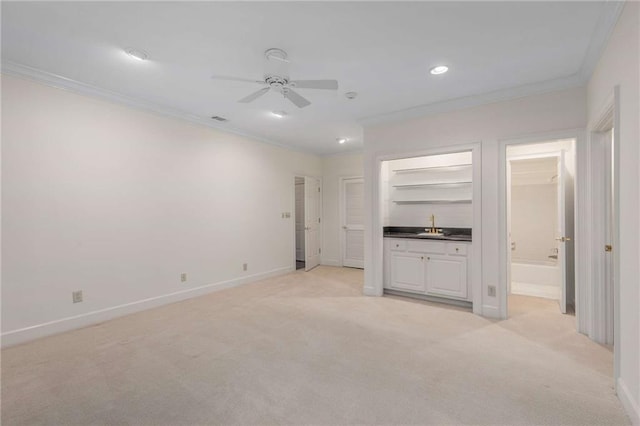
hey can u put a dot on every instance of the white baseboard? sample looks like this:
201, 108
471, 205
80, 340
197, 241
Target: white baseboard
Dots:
26, 334
489, 311
370, 291
331, 262
536, 290
630, 406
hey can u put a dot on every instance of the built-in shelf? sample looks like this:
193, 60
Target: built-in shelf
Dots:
465, 201
451, 167
436, 184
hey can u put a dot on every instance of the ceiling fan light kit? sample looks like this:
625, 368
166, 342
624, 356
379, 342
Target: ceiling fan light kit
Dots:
137, 54
281, 84
440, 69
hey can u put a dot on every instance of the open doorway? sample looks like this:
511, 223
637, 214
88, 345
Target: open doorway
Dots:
307, 222
299, 219
540, 226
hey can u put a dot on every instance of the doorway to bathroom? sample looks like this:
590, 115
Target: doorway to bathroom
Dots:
540, 226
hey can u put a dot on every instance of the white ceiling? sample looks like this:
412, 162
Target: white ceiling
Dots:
382, 50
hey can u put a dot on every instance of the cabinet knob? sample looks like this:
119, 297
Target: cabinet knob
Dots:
428, 258
422, 257
457, 249
397, 245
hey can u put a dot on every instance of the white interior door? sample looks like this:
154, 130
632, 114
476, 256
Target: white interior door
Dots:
511, 246
300, 219
353, 223
608, 237
312, 222
561, 235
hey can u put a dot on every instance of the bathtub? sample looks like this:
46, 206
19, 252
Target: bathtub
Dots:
536, 278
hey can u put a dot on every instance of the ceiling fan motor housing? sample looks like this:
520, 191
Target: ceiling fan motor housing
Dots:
276, 82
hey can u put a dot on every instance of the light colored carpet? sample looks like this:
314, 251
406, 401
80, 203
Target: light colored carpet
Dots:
307, 348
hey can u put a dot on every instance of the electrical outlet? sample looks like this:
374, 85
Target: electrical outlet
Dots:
491, 290
76, 296
244, 266
183, 277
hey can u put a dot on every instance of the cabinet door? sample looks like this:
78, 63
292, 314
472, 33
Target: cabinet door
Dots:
407, 271
447, 276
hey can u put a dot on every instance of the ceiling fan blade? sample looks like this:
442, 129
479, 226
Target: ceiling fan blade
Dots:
315, 84
254, 95
246, 80
297, 100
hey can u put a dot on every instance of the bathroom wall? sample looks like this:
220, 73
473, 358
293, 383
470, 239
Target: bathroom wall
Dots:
534, 210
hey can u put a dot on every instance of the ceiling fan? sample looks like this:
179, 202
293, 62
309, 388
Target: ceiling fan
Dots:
278, 81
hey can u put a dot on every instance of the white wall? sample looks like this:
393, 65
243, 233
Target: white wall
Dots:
118, 203
335, 167
487, 124
619, 65
534, 218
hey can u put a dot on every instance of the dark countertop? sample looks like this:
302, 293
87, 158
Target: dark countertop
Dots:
449, 234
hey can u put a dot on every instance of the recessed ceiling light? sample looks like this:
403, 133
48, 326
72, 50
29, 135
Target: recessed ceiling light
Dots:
279, 114
341, 140
440, 69
137, 54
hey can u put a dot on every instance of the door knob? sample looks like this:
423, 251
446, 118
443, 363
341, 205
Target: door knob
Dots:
608, 247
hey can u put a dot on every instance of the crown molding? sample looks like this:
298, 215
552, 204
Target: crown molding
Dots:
575, 80
64, 83
600, 37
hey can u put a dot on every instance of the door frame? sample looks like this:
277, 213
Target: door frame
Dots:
341, 207
594, 326
503, 238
